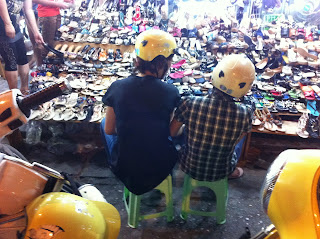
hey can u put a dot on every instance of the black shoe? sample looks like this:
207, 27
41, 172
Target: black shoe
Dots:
112, 41
84, 50
95, 55
110, 55
118, 55
57, 36
89, 54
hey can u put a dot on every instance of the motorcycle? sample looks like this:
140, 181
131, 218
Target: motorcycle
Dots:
290, 196
37, 202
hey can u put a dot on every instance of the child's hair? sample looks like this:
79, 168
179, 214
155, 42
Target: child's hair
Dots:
160, 62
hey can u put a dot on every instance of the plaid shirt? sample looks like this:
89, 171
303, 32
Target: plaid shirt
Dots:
213, 127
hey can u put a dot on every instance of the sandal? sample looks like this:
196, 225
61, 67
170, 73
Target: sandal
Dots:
261, 117
301, 107
179, 64
278, 122
269, 122
308, 92
302, 123
255, 120
312, 107
73, 55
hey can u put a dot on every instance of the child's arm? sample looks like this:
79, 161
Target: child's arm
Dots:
110, 125
175, 127
242, 135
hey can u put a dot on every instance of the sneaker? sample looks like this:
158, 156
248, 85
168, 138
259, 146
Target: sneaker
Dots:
102, 55
118, 55
110, 55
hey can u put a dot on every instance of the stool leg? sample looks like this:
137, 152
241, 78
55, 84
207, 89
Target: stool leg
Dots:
125, 194
187, 188
222, 202
169, 201
134, 210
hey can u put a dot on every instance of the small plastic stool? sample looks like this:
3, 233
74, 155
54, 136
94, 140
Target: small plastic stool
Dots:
133, 207
220, 188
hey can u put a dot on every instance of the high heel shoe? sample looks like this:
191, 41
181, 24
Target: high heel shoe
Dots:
269, 122
261, 117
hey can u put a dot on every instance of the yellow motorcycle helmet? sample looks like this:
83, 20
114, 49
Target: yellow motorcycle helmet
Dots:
234, 75
290, 194
64, 216
153, 43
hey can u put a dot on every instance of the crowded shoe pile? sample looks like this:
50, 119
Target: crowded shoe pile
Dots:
95, 44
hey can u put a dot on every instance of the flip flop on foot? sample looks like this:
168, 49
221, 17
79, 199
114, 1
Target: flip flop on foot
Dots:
237, 173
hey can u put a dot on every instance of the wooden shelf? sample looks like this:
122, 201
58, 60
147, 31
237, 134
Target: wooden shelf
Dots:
123, 48
290, 126
287, 114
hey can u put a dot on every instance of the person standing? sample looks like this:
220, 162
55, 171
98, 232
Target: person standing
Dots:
214, 125
12, 48
139, 108
49, 22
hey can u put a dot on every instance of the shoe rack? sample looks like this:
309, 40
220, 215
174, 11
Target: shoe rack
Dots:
123, 48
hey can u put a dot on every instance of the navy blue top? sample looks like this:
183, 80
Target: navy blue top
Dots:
143, 155
14, 9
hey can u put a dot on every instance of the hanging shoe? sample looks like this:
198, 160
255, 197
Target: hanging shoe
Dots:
110, 55
118, 55
89, 54
95, 55
102, 55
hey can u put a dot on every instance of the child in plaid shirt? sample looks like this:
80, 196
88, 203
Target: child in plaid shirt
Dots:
215, 124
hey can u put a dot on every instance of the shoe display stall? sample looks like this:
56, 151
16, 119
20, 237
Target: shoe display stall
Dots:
97, 40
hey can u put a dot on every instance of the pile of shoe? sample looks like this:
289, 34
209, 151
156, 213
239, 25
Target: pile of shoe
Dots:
83, 104
264, 120
87, 59
108, 22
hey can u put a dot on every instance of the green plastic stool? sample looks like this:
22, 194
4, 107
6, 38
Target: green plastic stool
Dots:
133, 207
220, 188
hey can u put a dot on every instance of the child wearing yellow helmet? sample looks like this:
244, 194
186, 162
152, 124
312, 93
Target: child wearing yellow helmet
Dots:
136, 127
215, 124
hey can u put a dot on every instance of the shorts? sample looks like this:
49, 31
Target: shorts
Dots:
13, 54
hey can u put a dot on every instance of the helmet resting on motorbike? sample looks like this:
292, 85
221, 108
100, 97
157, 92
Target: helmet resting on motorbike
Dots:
64, 216
290, 194
234, 75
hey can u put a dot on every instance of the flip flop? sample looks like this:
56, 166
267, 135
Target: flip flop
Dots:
237, 173
308, 92
312, 106
276, 94
179, 64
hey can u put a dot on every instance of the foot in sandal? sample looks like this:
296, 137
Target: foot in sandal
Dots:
237, 173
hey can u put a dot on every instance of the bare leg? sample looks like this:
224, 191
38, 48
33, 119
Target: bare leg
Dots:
24, 77
36, 51
12, 78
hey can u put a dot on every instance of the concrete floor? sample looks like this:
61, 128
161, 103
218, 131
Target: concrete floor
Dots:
243, 210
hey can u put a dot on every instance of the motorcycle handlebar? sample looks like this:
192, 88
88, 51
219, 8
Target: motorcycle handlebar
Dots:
28, 102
